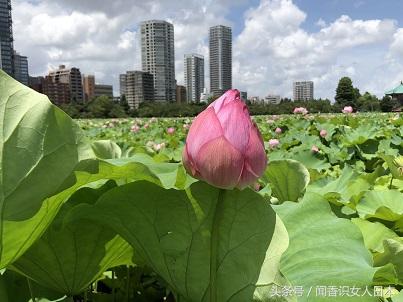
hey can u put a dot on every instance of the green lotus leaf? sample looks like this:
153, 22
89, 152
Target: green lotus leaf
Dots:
348, 186
14, 287
39, 147
324, 251
200, 239
288, 179
393, 254
386, 205
374, 234
106, 149
74, 253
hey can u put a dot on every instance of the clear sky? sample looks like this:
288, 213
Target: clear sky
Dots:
275, 42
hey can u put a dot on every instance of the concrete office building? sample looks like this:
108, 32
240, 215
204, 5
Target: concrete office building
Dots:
181, 94
88, 87
194, 76
273, 99
58, 92
220, 46
36, 83
158, 57
205, 96
122, 84
71, 77
303, 90
139, 88
101, 89
21, 68
244, 96
6, 38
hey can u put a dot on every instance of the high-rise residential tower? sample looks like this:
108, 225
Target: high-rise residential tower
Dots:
89, 87
6, 38
303, 90
122, 84
139, 88
220, 45
158, 57
194, 77
21, 68
71, 78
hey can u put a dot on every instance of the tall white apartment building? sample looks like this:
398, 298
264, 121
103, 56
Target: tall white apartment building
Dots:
303, 90
194, 76
158, 57
220, 46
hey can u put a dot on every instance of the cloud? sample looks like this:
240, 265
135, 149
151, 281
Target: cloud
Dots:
321, 23
274, 50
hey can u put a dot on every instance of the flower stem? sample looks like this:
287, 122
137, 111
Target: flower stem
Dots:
391, 182
214, 244
30, 290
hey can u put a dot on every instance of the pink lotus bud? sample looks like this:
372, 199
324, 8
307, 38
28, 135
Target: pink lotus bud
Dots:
224, 147
347, 109
315, 149
278, 130
300, 110
273, 143
323, 133
171, 130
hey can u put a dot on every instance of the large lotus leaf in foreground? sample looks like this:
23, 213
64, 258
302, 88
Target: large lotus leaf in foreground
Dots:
74, 253
206, 244
39, 147
15, 288
324, 251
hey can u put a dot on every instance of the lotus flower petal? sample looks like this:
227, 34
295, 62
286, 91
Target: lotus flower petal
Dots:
219, 163
205, 128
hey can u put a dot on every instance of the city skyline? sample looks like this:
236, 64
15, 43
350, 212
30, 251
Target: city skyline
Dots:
275, 42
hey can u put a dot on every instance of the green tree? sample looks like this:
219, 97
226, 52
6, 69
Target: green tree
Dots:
368, 102
124, 104
387, 104
346, 95
104, 107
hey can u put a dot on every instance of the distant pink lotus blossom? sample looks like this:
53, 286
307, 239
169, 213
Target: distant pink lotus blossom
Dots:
224, 147
278, 130
273, 143
269, 121
186, 126
135, 128
158, 147
146, 125
256, 186
323, 133
347, 109
315, 149
171, 130
300, 110
153, 119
